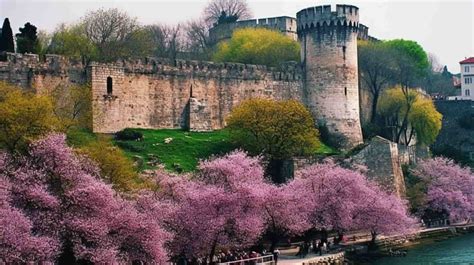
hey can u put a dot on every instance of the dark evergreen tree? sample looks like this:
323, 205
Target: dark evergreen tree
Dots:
27, 39
6, 38
446, 73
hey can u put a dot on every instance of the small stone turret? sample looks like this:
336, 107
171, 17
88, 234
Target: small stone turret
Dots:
329, 55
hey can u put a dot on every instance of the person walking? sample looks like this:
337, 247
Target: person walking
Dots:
276, 253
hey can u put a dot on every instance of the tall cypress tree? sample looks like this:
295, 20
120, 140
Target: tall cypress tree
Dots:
6, 39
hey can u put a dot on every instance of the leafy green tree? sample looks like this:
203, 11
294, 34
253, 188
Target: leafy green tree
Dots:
408, 114
376, 69
27, 40
278, 129
23, 117
72, 42
6, 38
411, 62
258, 46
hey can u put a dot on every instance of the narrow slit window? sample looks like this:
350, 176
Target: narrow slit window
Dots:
344, 52
345, 91
109, 85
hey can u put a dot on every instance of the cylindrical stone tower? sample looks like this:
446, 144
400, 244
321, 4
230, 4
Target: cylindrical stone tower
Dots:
329, 55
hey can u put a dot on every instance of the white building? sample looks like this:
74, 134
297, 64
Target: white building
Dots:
467, 80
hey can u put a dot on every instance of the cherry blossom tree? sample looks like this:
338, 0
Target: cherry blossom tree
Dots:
450, 188
221, 207
333, 194
383, 213
74, 215
341, 199
284, 212
17, 242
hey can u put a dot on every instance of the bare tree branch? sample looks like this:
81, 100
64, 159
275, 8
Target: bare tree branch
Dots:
232, 8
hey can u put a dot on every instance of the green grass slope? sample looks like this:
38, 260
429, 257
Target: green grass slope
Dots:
184, 150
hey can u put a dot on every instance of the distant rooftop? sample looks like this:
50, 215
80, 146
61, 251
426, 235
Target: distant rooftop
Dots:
468, 60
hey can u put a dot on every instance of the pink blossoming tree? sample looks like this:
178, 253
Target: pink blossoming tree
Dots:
221, 207
450, 188
383, 213
340, 200
65, 213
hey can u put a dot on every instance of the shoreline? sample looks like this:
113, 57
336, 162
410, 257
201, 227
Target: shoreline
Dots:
360, 255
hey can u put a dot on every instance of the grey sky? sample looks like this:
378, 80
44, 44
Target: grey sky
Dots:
444, 28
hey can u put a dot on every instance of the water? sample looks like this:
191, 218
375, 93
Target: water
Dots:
457, 250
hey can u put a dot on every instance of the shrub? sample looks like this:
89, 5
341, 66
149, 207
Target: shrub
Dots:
24, 117
129, 134
114, 166
258, 46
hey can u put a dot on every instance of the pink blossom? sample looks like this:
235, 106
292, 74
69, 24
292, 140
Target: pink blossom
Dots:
67, 206
450, 187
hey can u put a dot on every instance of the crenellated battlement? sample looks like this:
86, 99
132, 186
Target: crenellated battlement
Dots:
324, 17
161, 66
284, 24
41, 72
50, 63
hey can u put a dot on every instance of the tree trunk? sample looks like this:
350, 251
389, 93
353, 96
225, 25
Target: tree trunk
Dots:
373, 237
274, 242
213, 250
375, 99
324, 236
280, 170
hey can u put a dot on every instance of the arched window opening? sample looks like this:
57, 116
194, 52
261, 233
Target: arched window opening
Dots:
109, 85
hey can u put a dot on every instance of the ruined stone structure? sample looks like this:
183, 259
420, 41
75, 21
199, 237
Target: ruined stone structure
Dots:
383, 161
329, 55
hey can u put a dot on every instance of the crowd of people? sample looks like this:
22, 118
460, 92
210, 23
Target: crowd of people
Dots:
242, 257
235, 257
247, 257
318, 247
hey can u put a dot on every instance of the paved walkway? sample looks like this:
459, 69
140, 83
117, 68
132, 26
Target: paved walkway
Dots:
288, 257
295, 260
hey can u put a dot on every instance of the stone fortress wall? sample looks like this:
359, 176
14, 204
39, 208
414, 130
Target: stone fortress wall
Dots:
158, 93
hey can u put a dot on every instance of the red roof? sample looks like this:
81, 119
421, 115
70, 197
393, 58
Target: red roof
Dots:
468, 60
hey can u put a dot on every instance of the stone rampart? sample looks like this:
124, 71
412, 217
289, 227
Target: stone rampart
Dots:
29, 71
158, 93
286, 25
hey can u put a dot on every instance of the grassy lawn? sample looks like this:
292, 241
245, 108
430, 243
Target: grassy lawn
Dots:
185, 149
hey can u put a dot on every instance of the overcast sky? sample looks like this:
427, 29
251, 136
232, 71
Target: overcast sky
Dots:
444, 28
